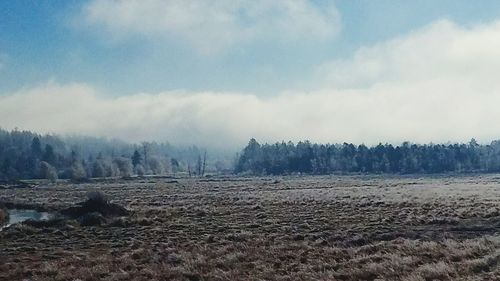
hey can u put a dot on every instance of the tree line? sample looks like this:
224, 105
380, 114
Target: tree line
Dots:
28, 155
407, 158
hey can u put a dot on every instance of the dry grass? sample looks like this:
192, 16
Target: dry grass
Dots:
312, 228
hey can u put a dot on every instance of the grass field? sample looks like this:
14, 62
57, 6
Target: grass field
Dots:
292, 228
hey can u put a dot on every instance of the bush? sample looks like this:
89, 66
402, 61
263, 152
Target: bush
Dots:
97, 196
96, 203
91, 219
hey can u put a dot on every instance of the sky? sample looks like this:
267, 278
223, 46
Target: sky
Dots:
220, 72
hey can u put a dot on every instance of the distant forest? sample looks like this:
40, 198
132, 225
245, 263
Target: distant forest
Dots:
27, 155
308, 158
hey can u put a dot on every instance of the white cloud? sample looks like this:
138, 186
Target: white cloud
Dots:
217, 24
439, 51
436, 84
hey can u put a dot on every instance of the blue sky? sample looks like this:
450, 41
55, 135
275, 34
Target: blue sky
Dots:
203, 71
47, 40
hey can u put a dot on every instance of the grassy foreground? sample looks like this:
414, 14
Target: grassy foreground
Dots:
308, 228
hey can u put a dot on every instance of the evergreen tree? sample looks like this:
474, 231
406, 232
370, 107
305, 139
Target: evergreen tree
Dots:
283, 158
136, 158
36, 148
49, 156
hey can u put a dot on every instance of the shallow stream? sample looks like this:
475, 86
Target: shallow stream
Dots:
20, 215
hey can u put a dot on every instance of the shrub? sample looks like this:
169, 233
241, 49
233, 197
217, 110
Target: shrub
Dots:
91, 219
96, 203
97, 196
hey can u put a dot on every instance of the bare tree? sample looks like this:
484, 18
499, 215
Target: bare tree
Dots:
145, 149
198, 165
204, 164
124, 165
156, 165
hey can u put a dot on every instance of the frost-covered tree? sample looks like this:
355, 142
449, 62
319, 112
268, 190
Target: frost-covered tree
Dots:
98, 169
78, 171
48, 171
139, 170
156, 164
124, 165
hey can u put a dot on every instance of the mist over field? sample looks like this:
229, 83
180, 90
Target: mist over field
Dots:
433, 83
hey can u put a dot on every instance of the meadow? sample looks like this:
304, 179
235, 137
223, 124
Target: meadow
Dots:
271, 228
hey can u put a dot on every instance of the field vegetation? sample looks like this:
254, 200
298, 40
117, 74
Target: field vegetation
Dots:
287, 228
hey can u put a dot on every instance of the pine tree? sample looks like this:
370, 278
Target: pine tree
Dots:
136, 158
49, 156
36, 148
